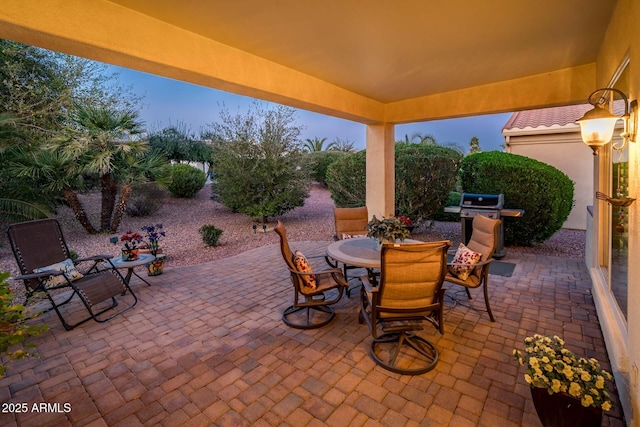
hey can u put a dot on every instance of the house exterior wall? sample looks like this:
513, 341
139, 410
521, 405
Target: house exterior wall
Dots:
622, 40
567, 153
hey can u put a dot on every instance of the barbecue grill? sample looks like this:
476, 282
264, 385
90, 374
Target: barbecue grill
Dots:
489, 205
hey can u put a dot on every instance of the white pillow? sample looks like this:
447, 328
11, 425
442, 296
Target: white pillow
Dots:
66, 266
464, 255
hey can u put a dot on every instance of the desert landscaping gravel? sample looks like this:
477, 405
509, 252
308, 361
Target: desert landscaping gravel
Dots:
182, 218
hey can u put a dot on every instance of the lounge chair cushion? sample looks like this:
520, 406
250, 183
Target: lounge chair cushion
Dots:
66, 266
303, 266
463, 255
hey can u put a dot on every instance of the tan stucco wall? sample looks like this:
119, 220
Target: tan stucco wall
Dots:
560, 87
622, 39
567, 153
103, 31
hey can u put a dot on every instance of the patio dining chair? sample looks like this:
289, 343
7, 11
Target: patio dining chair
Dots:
314, 291
46, 266
470, 265
350, 223
409, 291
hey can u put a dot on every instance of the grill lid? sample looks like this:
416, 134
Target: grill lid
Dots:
487, 201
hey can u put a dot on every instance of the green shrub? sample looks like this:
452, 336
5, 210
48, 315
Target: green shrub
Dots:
452, 200
210, 234
320, 161
346, 179
13, 330
425, 175
186, 180
260, 170
544, 192
145, 199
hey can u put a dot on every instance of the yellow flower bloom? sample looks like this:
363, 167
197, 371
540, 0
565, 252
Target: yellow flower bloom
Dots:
586, 400
586, 376
606, 406
574, 389
567, 371
555, 386
527, 378
600, 382
548, 368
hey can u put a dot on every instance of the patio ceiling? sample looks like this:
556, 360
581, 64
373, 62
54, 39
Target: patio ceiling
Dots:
375, 61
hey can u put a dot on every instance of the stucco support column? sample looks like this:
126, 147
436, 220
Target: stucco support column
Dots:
380, 170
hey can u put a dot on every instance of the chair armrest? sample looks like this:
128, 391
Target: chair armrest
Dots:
315, 273
478, 264
45, 273
100, 257
368, 286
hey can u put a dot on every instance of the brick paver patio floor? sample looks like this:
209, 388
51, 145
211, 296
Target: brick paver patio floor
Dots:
206, 346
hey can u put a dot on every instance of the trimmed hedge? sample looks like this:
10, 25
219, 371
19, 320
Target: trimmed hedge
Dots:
425, 175
320, 161
452, 200
544, 192
346, 179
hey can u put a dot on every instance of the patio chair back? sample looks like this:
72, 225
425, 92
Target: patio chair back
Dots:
411, 277
350, 221
36, 244
285, 249
484, 239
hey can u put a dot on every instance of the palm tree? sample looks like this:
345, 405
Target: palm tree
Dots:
317, 144
101, 143
19, 210
343, 145
419, 138
57, 172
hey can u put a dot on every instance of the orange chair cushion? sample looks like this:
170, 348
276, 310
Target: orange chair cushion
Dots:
303, 266
464, 255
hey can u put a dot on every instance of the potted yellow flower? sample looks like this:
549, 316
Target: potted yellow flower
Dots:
564, 388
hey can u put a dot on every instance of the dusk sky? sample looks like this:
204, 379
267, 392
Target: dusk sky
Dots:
169, 102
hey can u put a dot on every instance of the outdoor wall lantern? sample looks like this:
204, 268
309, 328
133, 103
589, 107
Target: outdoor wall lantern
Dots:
597, 125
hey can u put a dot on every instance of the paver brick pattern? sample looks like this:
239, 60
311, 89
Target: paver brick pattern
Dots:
206, 346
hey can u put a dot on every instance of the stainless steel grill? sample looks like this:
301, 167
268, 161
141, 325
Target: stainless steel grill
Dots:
489, 205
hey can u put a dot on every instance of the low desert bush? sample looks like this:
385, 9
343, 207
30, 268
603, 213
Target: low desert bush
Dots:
186, 180
146, 199
210, 234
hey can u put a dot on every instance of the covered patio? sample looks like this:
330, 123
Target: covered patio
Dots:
379, 64
206, 346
